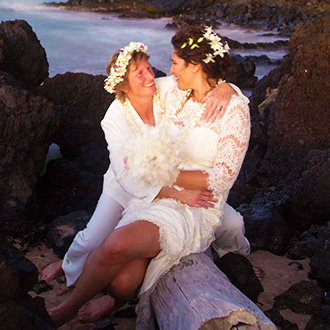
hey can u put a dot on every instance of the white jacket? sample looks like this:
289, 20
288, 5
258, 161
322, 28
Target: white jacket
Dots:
117, 181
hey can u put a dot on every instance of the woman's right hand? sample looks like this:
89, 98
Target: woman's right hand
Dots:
193, 198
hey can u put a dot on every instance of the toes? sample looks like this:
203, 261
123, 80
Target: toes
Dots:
259, 273
83, 318
84, 313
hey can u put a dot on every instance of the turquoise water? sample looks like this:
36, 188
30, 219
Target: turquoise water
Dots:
83, 42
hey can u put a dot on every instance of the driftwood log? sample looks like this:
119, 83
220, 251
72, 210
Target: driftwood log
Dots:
195, 294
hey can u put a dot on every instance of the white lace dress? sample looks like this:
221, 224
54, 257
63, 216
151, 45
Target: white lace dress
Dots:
216, 148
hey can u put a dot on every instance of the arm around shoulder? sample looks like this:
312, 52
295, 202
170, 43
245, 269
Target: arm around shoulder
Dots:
234, 135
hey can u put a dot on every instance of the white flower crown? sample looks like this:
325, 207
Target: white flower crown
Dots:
215, 42
118, 70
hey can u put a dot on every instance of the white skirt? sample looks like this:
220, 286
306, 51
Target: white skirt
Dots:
183, 230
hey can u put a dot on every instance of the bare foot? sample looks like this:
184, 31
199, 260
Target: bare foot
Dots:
96, 308
52, 271
60, 315
259, 273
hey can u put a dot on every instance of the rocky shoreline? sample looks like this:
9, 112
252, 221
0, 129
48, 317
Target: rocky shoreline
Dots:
279, 15
282, 190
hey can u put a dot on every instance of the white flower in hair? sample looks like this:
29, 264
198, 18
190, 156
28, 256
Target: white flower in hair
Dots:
152, 156
209, 58
208, 32
216, 44
118, 70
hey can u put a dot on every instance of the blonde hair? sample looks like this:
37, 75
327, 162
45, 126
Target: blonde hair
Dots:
136, 59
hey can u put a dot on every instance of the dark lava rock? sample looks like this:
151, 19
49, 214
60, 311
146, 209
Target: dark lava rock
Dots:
27, 125
66, 188
81, 103
320, 262
299, 117
271, 80
279, 320
265, 227
240, 273
303, 247
17, 274
93, 158
246, 69
22, 54
310, 202
64, 229
26, 313
302, 298
319, 321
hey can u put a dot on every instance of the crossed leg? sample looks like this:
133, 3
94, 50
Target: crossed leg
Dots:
106, 216
122, 289
136, 240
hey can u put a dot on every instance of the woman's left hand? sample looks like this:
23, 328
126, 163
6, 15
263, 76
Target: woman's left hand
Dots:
217, 102
190, 197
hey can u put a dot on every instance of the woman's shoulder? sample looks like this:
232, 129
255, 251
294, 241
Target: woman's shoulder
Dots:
115, 109
237, 112
114, 114
236, 102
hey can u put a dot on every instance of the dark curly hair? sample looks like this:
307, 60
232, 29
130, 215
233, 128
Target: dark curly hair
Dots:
214, 70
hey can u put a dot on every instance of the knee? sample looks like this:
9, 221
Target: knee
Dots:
124, 284
113, 249
238, 222
234, 223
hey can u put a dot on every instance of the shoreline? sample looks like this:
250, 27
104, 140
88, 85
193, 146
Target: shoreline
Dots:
264, 47
251, 14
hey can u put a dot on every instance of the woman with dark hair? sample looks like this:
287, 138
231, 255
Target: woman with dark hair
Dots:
210, 154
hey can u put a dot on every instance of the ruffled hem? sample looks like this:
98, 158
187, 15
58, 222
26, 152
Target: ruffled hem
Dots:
182, 231
163, 233
186, 234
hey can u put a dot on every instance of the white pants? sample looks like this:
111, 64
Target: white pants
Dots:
105, 218
108, 212
230, 236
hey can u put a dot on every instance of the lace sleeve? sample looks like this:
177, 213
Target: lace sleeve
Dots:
234, 131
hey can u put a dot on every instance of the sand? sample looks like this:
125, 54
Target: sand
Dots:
279, 274
42, 256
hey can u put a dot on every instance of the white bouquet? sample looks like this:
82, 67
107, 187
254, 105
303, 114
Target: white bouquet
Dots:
152, 156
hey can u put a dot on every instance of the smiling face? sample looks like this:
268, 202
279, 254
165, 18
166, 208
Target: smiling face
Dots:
141, 80
182, 71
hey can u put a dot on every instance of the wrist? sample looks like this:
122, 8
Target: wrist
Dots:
167, 192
